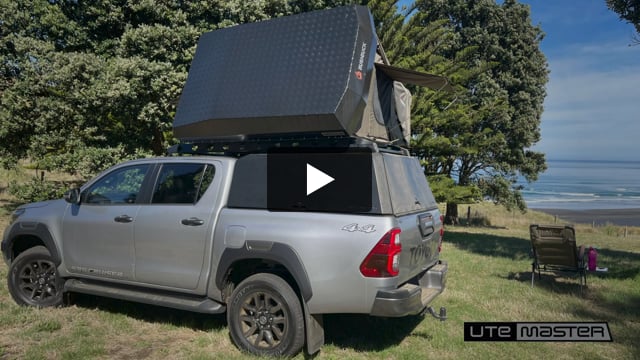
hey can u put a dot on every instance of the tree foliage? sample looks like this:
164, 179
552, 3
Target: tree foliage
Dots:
476, 141
629, 11
85, 84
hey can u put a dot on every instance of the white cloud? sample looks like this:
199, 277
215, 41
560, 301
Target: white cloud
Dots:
593, 102
591, 113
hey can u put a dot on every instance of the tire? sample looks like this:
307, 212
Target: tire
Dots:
265, 317
33, 279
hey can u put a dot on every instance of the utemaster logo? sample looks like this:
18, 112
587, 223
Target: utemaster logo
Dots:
537, 331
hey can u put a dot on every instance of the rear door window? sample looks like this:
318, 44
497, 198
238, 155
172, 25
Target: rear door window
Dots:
182, 183
408, 185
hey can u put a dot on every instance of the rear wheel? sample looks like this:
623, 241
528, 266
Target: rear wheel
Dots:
265, 317
33, 279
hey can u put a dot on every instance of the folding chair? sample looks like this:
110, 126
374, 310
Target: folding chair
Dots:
554, 250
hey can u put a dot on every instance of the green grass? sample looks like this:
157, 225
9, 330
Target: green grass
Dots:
488, 280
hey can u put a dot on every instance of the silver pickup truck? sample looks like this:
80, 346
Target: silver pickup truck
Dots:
195, 233
218, 233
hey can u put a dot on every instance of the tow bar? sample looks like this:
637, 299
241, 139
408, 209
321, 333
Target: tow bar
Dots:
442, 316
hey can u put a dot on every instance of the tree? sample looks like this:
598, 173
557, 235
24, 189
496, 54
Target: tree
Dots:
483, 140
438, 118
101, 80
64, 91
85, 84
629, 11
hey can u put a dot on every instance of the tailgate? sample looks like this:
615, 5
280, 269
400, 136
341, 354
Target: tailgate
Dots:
420, 238
417, 214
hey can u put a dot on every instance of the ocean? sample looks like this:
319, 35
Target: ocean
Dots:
583, 185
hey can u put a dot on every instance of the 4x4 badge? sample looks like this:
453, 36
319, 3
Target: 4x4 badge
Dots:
369, 228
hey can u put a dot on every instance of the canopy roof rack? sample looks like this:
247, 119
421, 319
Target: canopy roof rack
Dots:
241, 145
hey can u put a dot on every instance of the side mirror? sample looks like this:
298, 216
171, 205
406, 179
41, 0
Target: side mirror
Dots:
72, 196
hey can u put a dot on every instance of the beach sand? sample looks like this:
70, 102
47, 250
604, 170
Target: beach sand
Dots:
620, 217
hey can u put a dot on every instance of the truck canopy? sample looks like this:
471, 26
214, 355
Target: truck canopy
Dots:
399, 186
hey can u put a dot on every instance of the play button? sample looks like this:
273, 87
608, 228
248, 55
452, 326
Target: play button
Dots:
319, 179
316, 179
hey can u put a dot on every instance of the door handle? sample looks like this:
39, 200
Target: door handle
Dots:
123, 219
192, 222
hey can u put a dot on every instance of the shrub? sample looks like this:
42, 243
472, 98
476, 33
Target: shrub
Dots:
87, 162
37, 190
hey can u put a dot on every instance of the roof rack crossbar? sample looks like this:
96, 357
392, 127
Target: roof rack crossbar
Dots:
239, 146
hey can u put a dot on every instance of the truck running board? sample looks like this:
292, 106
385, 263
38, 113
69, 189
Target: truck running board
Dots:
160, 298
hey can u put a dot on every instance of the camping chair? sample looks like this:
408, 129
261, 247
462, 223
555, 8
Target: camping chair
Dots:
554, 250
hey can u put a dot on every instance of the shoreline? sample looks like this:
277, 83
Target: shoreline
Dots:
620, 217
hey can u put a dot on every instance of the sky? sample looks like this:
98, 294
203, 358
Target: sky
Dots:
593, 103
592, 106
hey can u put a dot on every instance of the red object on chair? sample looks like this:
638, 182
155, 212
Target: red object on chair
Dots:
593, 259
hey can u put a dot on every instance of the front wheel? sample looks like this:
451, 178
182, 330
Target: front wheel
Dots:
33, 279
265, 317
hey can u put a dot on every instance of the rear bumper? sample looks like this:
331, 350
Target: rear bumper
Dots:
410, 298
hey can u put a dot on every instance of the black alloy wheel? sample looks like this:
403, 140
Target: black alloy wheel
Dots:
265, 317
33, 279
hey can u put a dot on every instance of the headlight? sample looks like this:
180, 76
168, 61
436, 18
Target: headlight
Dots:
17, 213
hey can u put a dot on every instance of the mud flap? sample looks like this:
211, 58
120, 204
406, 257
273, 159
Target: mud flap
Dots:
314, 330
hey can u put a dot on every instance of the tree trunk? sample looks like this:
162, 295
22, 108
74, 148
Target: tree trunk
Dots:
157, 142
451, 216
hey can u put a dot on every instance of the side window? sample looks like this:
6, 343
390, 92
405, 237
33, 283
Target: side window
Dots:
205, 181
182, 183
121, 186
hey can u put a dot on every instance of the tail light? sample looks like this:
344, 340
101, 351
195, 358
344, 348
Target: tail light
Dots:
384, 259
441, 233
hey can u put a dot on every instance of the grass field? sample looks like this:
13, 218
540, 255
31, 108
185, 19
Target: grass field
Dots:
488, 280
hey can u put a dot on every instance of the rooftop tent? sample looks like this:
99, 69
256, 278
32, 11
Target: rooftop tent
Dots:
389, 102
312, 73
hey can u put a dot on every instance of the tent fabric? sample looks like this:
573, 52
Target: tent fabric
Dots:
386, 98
402, 97
372, 126
387, 116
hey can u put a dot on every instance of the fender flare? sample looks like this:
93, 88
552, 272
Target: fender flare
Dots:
39, 230
277, 252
